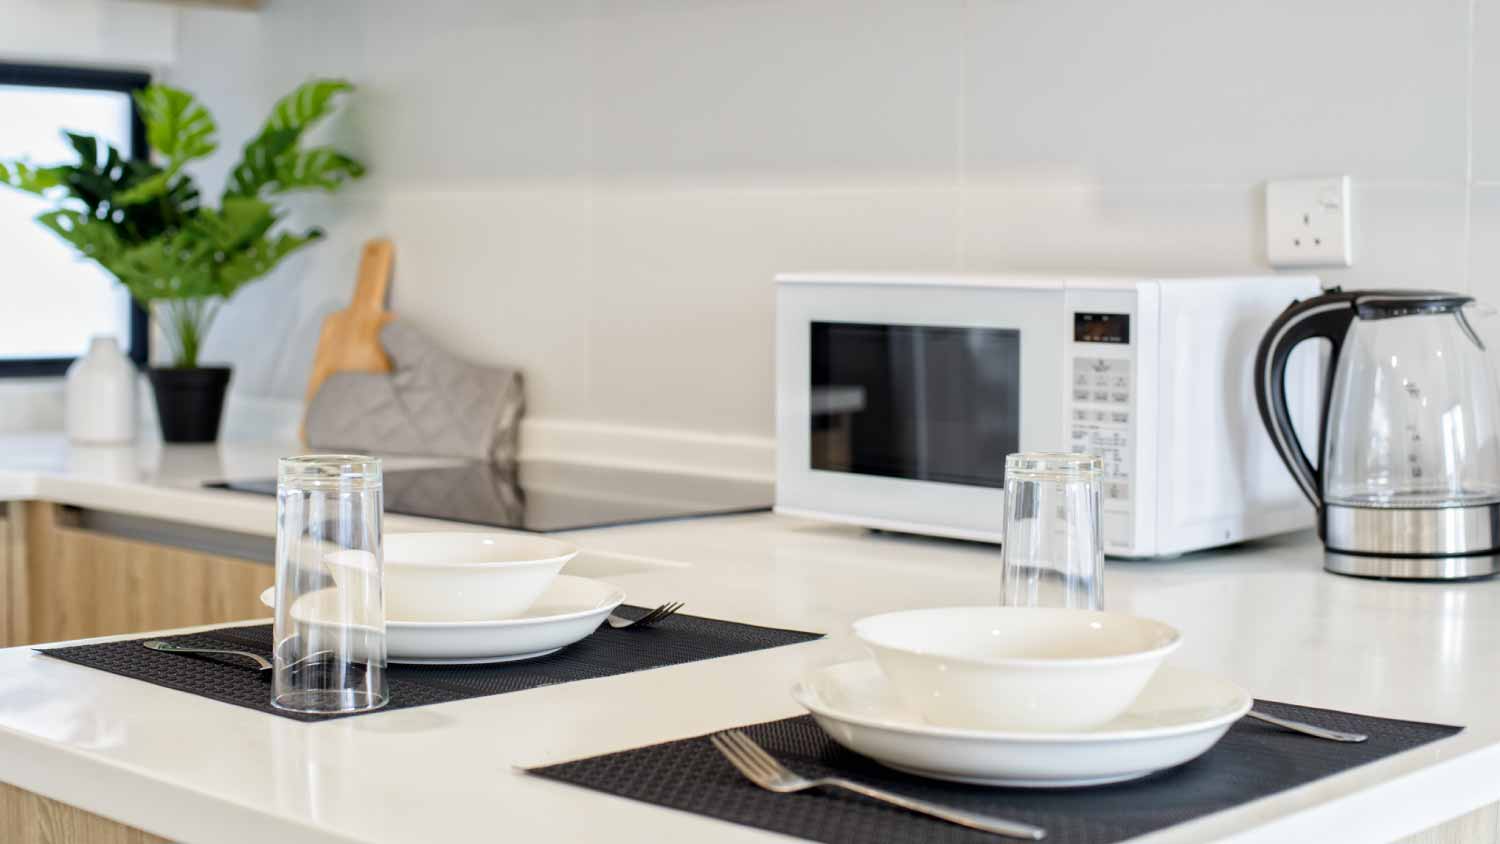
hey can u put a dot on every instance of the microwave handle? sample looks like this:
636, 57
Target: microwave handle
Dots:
1327, 316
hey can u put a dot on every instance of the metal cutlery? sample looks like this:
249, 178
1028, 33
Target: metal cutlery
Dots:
1307, 729
620, 622
262, 664
167, 647
761, 768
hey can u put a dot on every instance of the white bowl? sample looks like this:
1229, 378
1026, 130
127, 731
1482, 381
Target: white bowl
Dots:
468, 576
1017, 668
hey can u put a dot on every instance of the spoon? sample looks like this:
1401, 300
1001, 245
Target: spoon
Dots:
1308, 729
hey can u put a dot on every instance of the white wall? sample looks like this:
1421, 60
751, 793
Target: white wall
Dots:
600, 191
109, 33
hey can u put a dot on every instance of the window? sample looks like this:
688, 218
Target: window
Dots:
53, 301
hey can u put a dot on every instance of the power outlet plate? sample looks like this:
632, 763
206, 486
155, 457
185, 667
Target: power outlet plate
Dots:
1308, 223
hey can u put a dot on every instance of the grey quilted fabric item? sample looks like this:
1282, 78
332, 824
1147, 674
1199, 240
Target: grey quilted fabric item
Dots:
431, 404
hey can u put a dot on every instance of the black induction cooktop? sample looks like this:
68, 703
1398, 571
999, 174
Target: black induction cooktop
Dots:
550, 496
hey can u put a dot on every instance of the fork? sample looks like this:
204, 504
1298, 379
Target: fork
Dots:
619, 622
761, 768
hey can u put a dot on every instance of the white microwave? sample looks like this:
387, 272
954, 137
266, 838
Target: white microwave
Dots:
898, 398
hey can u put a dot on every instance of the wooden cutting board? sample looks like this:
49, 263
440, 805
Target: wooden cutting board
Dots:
350, 340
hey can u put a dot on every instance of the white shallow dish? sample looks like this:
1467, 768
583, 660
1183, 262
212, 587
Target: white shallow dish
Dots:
466, 576
568, 611
1178, 717
1017, 668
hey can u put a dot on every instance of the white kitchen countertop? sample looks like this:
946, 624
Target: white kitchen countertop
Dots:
194, 770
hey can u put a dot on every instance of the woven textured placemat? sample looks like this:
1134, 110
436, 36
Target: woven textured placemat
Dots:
681, 638
1253, 760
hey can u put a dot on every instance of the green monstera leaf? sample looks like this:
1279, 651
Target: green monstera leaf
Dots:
311, 102
260, 162
177, 127
323, 168
260, 256
147, 189
273, 162
24, 177
92, 237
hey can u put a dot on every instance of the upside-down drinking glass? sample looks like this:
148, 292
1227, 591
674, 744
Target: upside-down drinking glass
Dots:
329, 637
1053, 552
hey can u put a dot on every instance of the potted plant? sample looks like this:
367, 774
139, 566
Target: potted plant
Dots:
146, 223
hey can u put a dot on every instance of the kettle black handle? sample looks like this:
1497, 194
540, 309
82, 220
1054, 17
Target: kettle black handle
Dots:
1327, 316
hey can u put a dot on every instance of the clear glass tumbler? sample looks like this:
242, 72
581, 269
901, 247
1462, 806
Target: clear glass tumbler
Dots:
329, 651
1053, 548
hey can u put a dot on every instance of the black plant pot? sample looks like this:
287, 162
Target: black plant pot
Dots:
189, 402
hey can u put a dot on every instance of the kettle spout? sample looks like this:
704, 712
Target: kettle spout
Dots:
1478, 309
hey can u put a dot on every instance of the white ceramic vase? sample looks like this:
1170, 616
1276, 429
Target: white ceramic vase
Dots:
99, 399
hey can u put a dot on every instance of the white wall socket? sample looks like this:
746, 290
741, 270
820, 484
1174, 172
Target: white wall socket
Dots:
1308, 223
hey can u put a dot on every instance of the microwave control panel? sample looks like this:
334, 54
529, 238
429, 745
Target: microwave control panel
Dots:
1100, 406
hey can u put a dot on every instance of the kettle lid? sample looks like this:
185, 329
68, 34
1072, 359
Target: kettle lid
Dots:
1385, 304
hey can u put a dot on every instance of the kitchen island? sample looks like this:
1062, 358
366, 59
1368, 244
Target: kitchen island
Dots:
183, 768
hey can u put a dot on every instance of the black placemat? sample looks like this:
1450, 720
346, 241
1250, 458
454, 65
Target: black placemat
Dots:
681, 638
1253, 760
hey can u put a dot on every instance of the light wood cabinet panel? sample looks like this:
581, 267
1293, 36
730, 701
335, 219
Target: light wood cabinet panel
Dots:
29, 818
81, 583
7, 638
13, 609
1481, 826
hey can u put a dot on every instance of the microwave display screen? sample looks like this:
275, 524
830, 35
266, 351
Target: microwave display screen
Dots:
1101, 328
928, 403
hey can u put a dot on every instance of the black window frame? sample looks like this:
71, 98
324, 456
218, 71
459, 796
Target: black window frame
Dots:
93, 79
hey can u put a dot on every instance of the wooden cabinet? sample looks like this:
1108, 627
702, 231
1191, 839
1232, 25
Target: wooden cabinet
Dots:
66, 581
12, 575
29, 818
1481, 826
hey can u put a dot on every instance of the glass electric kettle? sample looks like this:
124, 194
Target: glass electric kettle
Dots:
1408, 481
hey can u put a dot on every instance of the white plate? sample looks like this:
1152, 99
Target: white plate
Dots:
1179, 716
570, 609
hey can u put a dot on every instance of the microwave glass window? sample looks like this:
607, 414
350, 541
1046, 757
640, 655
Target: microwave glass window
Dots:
929, 403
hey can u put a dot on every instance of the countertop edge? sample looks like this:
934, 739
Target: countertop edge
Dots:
1386, 811
133, 798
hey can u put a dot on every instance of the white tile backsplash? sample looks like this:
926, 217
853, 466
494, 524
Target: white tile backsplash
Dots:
31, 404
503, 277
1106, 229
1485, 86
88, 32
1187, 92
1406, 236
458, 94
839, 91
1484, 249
600, 192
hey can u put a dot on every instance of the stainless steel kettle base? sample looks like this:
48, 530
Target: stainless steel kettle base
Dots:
1412, 568
1412, 531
